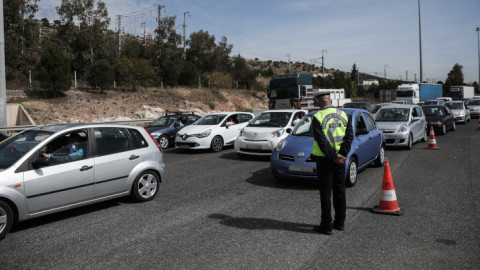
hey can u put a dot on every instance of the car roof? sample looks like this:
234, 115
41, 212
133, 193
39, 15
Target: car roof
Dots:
432, 106
400, 106
286, 110
348, 111
61, 127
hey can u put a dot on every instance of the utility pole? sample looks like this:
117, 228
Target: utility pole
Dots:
323, 64
119, 35
144, 38
288, 55
385, 72
3, 84
185, 35
478, 37
160, 15
420, 39
406, 75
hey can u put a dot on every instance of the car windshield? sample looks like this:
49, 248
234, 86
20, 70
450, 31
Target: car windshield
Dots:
163, 121
376, 108
455, 105
271, 119
474, 102
304, 127
433, 111
13, 148
211, 119
392, 114
354, 105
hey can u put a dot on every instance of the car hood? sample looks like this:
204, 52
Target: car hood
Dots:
259, 133
475, 107
457, 111
296, 145
390, 125
195, 129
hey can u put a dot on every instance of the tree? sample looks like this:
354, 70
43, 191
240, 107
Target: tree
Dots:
134, 72
189, 74
201, 51
166, 46
170, 73
454, 77
101, 74
54, 71
354, 73
219, 80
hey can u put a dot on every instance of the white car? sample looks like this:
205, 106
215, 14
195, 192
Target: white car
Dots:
264, 132
213, 131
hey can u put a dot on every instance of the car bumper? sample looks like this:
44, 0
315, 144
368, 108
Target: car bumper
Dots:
298, 169
257, 148
193, 143
396, 139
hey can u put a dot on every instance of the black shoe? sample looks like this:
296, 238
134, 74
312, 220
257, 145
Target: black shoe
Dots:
323, 230
338, 226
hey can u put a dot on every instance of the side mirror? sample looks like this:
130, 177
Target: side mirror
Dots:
415, 118
228, 124
40, 162
289, 130
176, 125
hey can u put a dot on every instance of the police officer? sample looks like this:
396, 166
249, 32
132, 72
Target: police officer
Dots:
333, 134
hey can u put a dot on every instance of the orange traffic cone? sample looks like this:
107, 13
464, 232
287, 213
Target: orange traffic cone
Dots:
432, 143
388, 198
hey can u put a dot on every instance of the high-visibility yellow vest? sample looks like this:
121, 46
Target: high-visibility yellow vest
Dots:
334, 126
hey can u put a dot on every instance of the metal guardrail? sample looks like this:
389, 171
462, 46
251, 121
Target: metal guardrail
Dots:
10, 130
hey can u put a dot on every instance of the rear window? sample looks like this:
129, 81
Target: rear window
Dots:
138, 140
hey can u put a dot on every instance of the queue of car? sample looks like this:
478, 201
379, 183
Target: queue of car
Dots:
58, 167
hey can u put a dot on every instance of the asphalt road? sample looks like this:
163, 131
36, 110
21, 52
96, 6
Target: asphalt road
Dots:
218, 211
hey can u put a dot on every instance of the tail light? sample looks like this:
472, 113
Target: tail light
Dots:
155, 141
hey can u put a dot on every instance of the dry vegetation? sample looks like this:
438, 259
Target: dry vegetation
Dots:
82, 106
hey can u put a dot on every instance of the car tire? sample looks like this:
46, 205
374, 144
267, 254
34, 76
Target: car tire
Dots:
145, 186
217, 144
454, 126
352, 171
380, 161
6, 219
444, 129
163, 141
468, 120
410, 142
425, 136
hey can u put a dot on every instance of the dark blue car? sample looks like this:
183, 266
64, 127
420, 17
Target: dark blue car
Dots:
165, 128
292, 156
440, 117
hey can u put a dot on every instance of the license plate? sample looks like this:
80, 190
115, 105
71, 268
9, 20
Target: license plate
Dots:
300, 168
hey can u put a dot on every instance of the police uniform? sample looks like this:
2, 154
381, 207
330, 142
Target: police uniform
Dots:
333, 134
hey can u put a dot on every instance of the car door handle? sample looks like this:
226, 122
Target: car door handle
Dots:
85, 168
132, 157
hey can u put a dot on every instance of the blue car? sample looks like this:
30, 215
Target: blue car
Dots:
292, 158
165, 128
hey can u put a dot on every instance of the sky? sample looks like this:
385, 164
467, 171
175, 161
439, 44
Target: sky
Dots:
381, 37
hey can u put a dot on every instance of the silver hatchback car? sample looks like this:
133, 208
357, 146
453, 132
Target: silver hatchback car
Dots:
402, 124
54, 168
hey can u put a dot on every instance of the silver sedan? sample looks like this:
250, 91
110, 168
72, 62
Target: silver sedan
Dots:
54, 168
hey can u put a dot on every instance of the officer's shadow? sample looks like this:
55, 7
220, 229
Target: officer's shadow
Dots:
262, 224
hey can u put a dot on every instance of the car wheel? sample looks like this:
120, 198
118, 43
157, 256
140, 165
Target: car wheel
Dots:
444, 129
425, 136
468, 119
217, 144
454, 126
410, 142
163, 142
145, 187
6, 219
351, 173
381, 157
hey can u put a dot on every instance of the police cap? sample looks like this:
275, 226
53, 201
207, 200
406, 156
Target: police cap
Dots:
322, 93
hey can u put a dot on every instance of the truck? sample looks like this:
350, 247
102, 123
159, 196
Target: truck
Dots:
286, 91
413, 93
461, 92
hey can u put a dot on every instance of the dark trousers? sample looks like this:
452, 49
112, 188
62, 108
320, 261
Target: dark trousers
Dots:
331, 178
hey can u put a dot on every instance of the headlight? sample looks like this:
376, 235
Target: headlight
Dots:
403, 128
461, 114
278, 133
280, 145
203, 134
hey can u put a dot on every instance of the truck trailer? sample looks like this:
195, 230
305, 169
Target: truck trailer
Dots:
413, 93
461, 92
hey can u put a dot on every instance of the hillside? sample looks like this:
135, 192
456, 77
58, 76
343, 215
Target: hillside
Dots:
82, 106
